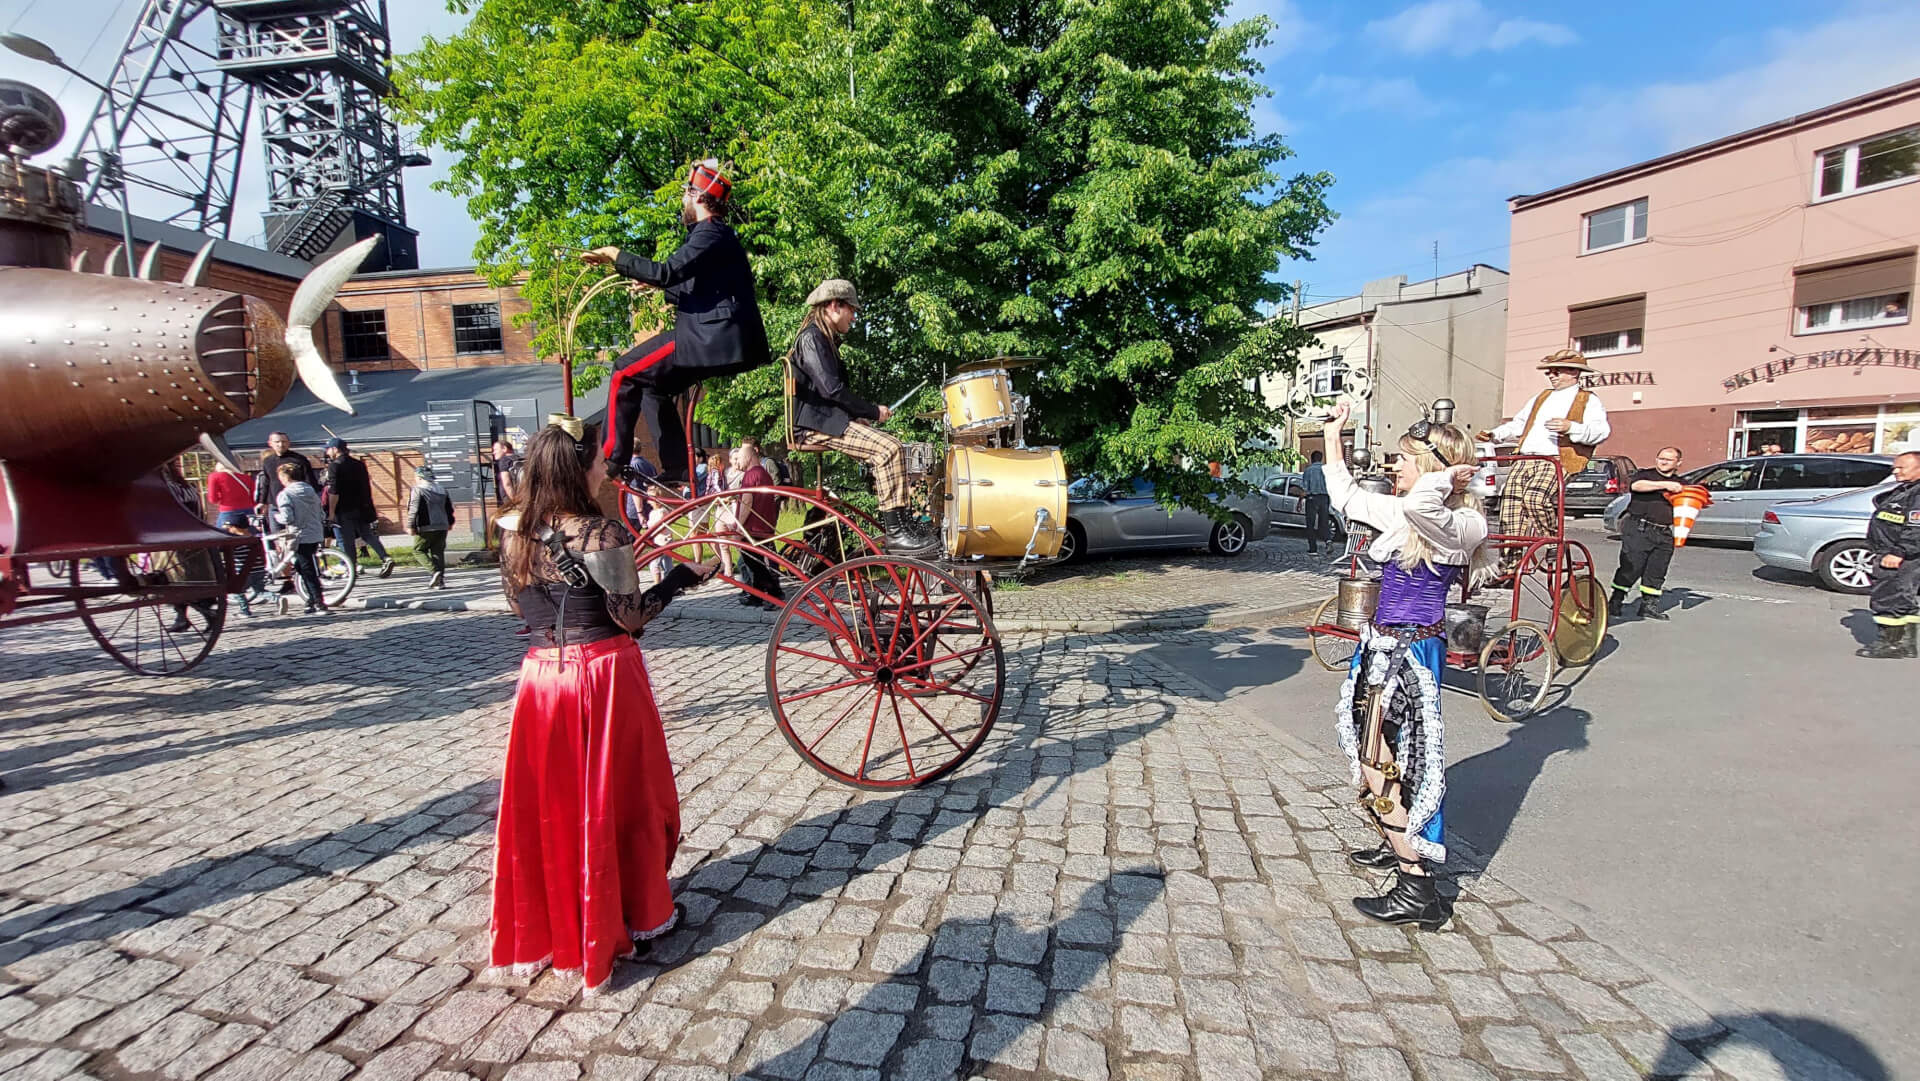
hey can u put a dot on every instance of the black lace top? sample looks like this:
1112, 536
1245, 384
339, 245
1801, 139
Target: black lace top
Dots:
588, 614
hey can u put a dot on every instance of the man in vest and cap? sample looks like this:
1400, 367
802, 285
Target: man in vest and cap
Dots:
828, 415
1565, 421
718, 330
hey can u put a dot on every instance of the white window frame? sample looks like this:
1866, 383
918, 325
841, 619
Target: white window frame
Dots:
1636, 215
1802, 326
1331, 369
1851, 151
1622, 344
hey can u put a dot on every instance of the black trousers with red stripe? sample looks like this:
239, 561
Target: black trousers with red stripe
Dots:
646, 379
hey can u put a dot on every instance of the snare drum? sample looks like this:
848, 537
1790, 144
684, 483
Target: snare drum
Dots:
919, 459
979, 403
993, 500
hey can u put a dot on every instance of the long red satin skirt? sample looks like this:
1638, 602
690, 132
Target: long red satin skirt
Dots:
589, 818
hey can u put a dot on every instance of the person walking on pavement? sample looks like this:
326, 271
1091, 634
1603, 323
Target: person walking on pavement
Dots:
1564, 421
1318, 509
505, 461
828, 415
718, 330
230, 494
1432, 536
298, 507
1893, 536
266, 486
429, 517
756, 514
350, 499
1646, 536
589, 818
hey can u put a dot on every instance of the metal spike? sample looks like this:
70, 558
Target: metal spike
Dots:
217, 446
199, 265
113, 257
147, 261
309, 303
79, 265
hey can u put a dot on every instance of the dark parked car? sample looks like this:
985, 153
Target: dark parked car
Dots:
1744, 488
1125, 517
1590, 490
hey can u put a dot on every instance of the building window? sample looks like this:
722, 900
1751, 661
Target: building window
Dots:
476, 328
1612, 343
364, 335
1885, 310
1329, 377
1616, 226
1866, 165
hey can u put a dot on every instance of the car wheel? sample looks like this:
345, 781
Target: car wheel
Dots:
1846, 567
1073, 546
1230, 537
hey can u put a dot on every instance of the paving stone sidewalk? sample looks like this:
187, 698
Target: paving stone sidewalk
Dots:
278, 866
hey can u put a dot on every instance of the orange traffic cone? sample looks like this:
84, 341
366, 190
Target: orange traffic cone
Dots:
1687, 503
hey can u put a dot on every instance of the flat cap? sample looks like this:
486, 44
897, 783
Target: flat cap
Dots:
833, 289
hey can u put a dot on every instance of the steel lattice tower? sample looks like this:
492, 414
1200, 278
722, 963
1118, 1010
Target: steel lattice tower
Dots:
181, 94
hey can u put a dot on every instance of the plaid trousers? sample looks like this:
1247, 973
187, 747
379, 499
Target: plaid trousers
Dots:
879, 450
1529, 507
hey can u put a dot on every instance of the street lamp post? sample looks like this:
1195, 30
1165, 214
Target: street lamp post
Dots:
34, 49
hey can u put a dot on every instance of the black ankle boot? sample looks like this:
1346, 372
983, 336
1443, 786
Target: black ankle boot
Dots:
1617, 604
1910, 640
1888, 646
1650, 608
1379, 858
1413, 899
901, 539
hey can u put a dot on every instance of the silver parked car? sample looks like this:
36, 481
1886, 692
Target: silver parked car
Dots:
1289, 510
1744, 488
1107, 517
1825, 537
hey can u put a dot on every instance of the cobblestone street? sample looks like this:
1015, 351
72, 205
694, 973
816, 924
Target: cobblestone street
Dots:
279, 866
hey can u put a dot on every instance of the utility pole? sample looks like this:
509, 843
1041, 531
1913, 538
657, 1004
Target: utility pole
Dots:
1436, 268
1293, 434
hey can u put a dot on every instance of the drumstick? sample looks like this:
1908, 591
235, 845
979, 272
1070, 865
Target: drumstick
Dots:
895, 407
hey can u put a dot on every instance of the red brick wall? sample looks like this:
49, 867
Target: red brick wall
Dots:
420, 321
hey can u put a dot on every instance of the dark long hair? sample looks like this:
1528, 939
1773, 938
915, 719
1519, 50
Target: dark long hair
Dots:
553, 485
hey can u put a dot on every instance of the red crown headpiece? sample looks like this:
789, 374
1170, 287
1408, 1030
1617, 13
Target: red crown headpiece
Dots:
707, 178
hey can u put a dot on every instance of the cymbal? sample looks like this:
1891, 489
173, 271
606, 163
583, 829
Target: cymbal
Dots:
931, 414
998, 362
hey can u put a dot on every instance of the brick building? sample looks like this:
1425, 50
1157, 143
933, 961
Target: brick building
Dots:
1757, 288
426, 320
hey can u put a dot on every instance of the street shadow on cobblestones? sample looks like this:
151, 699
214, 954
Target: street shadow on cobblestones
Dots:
1227, 660
1740, 1043
204, 883
1485, 791
905, 1012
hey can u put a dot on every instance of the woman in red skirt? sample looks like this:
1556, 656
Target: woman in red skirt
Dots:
589, 818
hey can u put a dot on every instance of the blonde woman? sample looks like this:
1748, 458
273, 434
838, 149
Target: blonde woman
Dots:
1432, 536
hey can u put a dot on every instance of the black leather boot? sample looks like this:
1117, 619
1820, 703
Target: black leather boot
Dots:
1650, 608
901, 538
1413, 899
1888, 646
1378, 858
1617, 604
1910, 640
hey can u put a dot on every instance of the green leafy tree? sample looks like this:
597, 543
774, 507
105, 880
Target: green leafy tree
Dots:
1074, 180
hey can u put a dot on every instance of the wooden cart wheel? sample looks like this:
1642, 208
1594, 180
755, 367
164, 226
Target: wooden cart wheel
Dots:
1582, 623
885, 672
1334, 652
137, 629
1516, 670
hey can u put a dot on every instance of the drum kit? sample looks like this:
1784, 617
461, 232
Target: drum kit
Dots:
997, 498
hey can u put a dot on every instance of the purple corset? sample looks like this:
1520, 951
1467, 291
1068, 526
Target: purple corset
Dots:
1417, 597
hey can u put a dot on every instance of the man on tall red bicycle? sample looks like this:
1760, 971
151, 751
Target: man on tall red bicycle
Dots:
718, 330
828, 415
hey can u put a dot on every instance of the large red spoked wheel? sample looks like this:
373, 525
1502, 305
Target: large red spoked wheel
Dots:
166, 617
885, 672
814, 531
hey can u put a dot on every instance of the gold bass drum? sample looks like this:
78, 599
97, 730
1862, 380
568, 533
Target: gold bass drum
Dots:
994, 499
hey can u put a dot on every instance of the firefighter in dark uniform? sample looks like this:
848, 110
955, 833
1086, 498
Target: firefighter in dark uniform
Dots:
1646, 536
718, 330
1893, 534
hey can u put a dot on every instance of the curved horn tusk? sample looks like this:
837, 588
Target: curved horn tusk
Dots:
79, 265
199, 265
113, 257
309, 303
217, 446
147, 261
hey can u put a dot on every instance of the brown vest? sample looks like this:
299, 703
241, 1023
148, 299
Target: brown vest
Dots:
1573, 456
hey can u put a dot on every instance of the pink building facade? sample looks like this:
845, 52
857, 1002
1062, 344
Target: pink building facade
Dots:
1755, 289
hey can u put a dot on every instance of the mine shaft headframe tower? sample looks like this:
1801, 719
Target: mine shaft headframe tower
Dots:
316, 69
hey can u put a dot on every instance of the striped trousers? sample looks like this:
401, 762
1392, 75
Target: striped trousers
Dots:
879, 450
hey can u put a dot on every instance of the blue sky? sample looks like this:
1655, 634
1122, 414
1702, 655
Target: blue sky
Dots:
1429, 114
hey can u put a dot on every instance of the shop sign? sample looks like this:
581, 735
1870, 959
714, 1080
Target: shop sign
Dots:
1829, 358
1617, 379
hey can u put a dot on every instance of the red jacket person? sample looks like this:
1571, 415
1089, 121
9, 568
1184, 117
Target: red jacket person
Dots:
718, 330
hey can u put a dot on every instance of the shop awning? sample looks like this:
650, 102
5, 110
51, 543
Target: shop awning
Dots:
1873, 276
